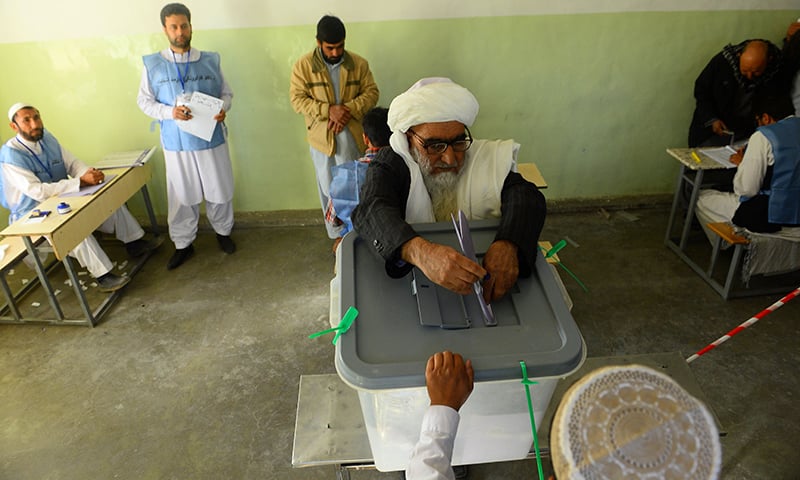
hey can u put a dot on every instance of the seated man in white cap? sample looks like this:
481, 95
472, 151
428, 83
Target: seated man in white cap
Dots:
435, 168
35, 167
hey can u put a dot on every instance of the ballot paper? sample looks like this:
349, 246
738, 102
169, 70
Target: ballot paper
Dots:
720, 155
203, 110
465, 240
89, 189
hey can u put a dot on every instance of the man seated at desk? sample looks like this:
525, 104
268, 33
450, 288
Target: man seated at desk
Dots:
766, 188
435, 168
35, 167
725, 88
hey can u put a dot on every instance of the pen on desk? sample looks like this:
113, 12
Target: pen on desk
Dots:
696, 157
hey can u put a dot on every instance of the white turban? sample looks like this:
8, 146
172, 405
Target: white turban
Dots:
430, 100
434, 99
16, 108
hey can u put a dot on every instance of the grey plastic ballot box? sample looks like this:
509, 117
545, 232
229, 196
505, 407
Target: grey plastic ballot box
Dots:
387, 348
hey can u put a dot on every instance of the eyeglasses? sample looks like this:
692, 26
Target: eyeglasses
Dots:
437, 148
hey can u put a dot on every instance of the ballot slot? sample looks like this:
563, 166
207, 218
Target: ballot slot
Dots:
441, 308
437, 306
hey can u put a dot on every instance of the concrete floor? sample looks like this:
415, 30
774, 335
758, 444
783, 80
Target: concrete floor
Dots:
194, 372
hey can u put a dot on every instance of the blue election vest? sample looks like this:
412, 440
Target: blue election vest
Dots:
203, 76
48, 167
784, 195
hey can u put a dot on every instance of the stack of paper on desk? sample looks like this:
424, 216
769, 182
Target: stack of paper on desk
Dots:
720, 155
133, 158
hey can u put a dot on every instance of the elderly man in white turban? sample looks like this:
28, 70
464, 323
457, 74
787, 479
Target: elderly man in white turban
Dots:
435, 168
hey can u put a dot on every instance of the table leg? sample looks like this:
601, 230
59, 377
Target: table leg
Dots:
12, 304
715, 248
687, 223
42, 274
149, 205
675, 201
342, 473
76, 285
737, 257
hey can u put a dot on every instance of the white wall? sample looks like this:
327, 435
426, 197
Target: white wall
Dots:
31, 21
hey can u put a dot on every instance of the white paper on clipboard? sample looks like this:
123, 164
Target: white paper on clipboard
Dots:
203, 110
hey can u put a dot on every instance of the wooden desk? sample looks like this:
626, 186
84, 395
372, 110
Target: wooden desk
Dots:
531, 173
65, 232
691, 174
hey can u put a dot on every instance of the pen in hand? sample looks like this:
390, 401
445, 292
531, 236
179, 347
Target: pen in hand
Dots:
92, 176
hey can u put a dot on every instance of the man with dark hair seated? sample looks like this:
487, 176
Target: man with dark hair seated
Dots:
766, 188
34, 167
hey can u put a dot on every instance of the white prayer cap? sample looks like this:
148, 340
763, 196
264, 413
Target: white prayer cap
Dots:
633, 422
434, 99
16, 108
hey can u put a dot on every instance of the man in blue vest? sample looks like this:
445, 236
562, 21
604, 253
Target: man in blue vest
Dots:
197, 169
35, 167
766, 188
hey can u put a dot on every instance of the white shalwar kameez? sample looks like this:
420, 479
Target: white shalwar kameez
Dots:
714, 206
431, 457
193, 175
346, 151
19, 181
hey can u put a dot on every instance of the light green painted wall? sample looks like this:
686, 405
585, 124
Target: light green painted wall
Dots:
594, 99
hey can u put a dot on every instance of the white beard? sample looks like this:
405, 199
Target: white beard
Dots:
442, 187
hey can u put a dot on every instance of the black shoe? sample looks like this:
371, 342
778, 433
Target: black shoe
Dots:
139, 247
111, 282
226, 243
180, 256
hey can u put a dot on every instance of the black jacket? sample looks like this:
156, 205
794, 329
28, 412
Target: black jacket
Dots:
721, 92
380, 216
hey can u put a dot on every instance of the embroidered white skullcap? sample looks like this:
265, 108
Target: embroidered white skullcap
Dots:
16, 108
633, 422
433, 99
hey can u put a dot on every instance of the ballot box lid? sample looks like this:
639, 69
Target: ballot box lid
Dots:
387, 347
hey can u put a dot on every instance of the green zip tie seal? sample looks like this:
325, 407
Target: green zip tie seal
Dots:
343, 326
549, 253
528, 383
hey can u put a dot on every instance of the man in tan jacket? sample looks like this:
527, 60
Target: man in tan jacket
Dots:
333, 89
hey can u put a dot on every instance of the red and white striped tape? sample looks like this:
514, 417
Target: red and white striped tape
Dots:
744, 325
